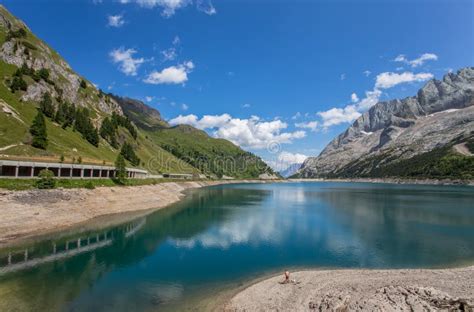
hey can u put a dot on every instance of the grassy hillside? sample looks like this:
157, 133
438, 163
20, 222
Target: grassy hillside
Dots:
91, 126
209, 155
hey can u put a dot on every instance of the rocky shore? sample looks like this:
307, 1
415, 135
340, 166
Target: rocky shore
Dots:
361, 290
27, 214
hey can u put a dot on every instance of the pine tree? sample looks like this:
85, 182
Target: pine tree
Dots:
120, 170
46, 105
38, 131
18, 84
129, 154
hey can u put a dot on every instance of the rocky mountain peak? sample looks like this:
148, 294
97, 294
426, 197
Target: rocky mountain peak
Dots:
442, 111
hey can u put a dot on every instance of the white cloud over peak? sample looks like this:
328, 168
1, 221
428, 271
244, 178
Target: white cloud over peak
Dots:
335, 116
351, 112
285, 159
127, 63
418, 61
311, 125
389, 79
291, 158
171, 75
250, 133
115, 20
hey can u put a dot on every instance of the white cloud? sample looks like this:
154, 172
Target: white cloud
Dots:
250, 133
371, 98
343, 76
169, 54
335, 116
169, 7
206, 7
171, 75
176, 40
418, 61
246, 105
290, 158
149, 98
312, 125
389, 79
348, 114
367, 73
115, 20
296, 116
285, 159
127, 64
354, 98
184, 107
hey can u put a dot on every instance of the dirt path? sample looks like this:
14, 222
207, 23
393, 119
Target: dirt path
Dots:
362, 290
10, 146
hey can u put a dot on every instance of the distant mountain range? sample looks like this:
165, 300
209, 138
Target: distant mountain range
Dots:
430, 135
82, 122
291, 170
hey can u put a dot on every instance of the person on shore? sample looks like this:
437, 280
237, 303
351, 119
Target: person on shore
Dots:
287, 278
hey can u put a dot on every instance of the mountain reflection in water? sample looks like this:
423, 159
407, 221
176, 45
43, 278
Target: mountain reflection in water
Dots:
221, 235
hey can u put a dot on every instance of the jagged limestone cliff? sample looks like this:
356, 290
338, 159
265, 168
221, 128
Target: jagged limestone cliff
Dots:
436, 123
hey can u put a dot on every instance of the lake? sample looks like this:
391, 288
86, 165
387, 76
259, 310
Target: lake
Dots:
218, 238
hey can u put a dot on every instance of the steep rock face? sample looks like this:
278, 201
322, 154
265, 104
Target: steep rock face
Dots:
141, 114
34, 53
441, 112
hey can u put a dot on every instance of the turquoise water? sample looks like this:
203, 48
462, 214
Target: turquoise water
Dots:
219, 237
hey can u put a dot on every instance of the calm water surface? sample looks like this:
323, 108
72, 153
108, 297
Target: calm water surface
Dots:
219, 237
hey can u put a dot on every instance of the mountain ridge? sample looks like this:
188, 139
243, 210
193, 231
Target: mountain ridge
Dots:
34, 77
440, 115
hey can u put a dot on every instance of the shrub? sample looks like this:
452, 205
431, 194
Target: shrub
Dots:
18, 84
43, 73
46, 180
89, 185
83, 84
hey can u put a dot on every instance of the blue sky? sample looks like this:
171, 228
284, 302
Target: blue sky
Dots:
273, 76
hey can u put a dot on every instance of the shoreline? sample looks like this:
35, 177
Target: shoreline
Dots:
31, 214
390, 181
359, 289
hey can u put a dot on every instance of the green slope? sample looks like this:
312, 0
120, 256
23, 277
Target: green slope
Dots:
14, 127
195, 147
210, 155
181, 149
